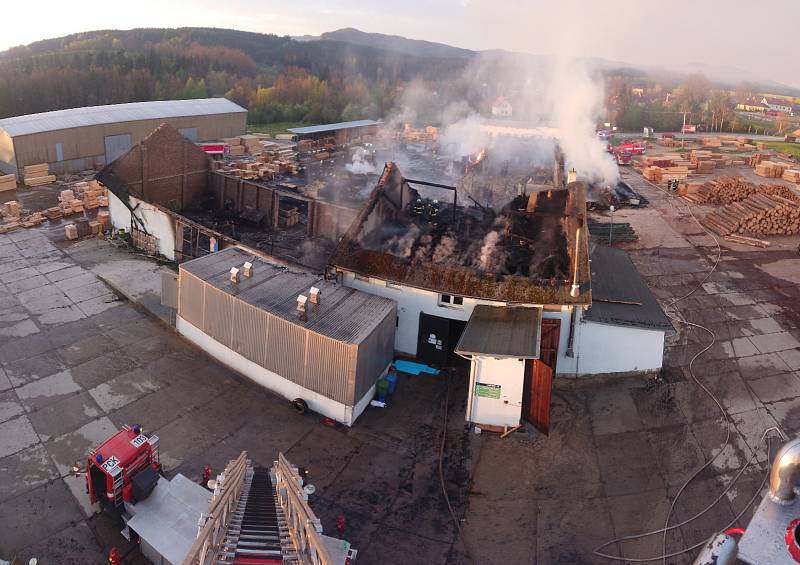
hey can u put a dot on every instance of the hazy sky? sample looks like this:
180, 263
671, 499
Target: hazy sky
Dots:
759, 38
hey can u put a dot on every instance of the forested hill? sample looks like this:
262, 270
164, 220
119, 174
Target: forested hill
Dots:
276, 77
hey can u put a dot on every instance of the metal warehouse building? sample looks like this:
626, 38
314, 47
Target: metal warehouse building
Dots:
85, 138
330, 356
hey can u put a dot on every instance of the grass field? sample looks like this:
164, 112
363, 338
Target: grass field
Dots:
784, 147
277, 127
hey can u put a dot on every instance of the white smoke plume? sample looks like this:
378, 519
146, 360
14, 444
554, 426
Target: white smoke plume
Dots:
359, 164
489, 258
576, 104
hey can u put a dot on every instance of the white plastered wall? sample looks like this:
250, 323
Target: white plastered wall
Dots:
273, 381
156, 222
509, 374
606, 348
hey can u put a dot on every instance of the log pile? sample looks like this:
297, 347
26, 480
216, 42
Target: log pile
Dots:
37, 175
725, 190
758, 214
8, 182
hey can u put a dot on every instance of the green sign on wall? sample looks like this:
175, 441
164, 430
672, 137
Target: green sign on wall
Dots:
487, 390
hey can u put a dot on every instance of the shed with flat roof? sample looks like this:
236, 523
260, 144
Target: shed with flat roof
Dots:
330, 355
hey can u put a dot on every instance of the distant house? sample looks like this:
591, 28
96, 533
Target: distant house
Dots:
778, 104
751, 105
501, 108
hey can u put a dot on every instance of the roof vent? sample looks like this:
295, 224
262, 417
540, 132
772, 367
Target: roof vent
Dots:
248, 269
234, 275
302, 299
315, 294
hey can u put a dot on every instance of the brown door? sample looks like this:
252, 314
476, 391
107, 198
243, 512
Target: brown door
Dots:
539, 378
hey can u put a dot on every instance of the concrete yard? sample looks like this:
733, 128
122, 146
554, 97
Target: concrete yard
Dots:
76, 362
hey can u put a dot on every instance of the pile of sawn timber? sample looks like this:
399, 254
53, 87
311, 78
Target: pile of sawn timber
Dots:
36, 175
725, 190
757, 214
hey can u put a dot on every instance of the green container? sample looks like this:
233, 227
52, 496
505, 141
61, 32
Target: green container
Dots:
382, 389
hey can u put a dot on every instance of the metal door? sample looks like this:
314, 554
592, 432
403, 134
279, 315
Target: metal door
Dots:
539, 378
189, 133
432, 341
116, 145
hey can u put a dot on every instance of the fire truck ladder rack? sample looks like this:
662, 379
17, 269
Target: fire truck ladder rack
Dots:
259, 516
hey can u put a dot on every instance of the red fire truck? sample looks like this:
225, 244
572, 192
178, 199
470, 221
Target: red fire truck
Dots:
123, 469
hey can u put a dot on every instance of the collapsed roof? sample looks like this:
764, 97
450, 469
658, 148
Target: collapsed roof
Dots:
527, 252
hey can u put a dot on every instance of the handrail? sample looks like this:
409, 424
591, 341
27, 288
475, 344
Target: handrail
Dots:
212, 525
305, 529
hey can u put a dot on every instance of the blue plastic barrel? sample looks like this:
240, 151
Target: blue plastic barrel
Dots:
392, 378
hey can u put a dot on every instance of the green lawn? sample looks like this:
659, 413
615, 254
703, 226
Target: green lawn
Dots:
784, 147
277, 127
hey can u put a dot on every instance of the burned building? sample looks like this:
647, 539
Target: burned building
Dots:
167, 190
459, 272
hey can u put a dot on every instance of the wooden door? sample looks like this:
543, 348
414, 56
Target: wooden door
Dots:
539, 373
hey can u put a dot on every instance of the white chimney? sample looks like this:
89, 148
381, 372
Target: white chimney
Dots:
302, 299
315, 294
234, 275
248, 269
572, 175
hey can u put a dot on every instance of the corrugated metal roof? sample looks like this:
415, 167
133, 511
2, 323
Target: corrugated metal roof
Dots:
113, 113
333, 127
344, 314
497, 331
616, 281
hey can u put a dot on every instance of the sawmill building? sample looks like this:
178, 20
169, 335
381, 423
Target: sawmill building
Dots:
84, 138
512, 292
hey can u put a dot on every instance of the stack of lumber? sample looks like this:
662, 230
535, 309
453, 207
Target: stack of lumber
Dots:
8, 182
771, 169
711, 142
756, 158
10, 212
789, 174
704, 161
36, 175
725, 190
92, 193
757, 214
104, 217
612, 232
251, 144
654, 174
31, 220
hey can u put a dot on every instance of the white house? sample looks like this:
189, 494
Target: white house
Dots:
778, 104
501, 108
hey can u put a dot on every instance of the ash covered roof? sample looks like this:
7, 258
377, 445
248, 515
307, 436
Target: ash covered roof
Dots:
344, 314
113, 113
502, 332
511, 256
619, 295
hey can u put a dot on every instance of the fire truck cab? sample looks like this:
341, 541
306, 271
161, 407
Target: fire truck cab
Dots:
125, 468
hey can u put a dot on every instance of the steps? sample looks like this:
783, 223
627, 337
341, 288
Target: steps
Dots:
253, 536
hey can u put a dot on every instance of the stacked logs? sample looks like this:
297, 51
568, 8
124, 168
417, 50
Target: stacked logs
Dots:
726, 190
757, 214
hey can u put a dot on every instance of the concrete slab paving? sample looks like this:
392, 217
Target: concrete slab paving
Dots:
40, 393
123, 389
15, 435
23, 519
64, 416
33, 368
613, 412
65, 450
30, 468
9, 406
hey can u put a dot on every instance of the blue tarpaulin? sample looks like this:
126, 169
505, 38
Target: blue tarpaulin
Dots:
413, 368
